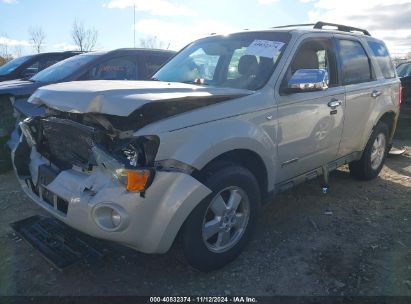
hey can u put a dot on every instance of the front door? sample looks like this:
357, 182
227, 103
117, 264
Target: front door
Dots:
310, 128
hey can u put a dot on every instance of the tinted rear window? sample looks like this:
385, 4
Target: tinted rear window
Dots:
383, 59
356, 64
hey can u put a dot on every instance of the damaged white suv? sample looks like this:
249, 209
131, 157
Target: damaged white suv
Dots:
227, 123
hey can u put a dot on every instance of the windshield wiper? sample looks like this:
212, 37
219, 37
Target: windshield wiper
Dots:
154, 79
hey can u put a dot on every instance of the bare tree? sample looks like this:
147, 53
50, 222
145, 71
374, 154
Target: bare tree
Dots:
152, 42
4, 48
37, 37
18, 51
84, 39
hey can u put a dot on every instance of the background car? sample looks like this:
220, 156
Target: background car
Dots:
404, 72
27, 66
121, 64
403, 131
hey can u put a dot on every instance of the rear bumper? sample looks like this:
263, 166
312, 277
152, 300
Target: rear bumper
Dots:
148, 224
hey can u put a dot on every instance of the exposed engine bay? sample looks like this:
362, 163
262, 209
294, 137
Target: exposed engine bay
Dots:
90, 128
68, 140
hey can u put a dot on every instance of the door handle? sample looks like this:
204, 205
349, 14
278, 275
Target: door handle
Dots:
375, 94
334, 103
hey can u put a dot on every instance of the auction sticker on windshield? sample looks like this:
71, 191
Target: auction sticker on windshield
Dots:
264, 48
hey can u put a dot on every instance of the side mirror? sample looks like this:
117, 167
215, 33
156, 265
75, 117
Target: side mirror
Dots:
308, 80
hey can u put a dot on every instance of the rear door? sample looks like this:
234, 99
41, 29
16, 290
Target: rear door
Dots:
363, 91
309, 130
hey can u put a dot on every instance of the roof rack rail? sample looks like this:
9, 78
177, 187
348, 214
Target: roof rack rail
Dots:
294, 25
340, 27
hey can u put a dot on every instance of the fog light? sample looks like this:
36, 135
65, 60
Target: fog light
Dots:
115, 218
110, 217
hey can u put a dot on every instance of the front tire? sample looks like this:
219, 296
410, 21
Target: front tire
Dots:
218, 229
373, 157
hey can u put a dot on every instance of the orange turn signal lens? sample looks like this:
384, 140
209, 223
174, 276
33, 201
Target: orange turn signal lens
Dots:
137, 180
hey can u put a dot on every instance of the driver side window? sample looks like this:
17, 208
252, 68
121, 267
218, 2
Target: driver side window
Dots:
315, 54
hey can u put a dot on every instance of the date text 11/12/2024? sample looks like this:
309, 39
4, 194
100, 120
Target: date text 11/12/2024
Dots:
203, 299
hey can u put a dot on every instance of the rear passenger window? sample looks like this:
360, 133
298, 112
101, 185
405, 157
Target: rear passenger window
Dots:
355, 62
383, 59
123, 68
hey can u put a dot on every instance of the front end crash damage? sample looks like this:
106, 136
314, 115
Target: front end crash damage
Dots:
99, 179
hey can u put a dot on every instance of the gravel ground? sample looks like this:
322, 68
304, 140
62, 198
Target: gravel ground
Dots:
355, 240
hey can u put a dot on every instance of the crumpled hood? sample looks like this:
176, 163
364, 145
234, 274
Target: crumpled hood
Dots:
122, 98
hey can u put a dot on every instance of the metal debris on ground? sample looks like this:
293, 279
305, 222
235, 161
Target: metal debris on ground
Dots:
402, 244
408, 283
397, 150
313, 223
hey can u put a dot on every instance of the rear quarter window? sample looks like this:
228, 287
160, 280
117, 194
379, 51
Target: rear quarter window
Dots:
380, 53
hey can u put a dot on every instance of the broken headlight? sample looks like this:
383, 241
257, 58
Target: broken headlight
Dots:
138, 152
135, 180
131, 162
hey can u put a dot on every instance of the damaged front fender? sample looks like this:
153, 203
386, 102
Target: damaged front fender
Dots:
148, 224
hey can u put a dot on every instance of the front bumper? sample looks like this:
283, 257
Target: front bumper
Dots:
148, 224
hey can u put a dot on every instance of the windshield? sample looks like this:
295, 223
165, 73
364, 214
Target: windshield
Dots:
404, 70
61, 70
242, 60
12, 65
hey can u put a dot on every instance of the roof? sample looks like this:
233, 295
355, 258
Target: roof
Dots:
56, 53
316, 27
143, 50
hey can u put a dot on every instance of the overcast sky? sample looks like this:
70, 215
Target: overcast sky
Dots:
177, 22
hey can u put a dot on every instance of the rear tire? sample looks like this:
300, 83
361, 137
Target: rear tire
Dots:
374, 154
218, 229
